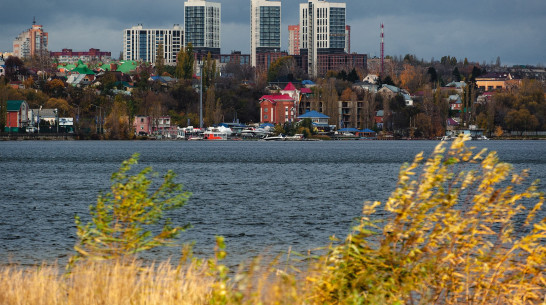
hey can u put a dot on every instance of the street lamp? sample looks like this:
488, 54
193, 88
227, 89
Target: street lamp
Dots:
99, 120
39, 118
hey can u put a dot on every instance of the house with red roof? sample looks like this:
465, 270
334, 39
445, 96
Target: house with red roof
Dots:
277, 109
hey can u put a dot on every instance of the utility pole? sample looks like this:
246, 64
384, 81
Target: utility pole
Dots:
201, 97
382, 49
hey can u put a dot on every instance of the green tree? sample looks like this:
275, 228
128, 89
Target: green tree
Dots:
123, 218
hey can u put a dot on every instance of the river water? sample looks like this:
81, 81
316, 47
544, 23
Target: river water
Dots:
263, 197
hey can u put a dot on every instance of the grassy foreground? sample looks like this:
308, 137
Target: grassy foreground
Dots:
461, 228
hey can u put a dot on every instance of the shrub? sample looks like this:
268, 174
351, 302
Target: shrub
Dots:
122, 220
451, 237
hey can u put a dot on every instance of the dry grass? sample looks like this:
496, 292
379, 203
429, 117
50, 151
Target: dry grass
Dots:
105, 283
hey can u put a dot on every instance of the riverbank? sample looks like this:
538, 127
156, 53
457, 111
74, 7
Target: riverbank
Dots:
35, 137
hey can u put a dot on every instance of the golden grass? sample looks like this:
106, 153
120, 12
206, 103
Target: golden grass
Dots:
105, 283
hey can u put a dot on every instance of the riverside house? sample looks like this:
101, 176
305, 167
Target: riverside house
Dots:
16, 116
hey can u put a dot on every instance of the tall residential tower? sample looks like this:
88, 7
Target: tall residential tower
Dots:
265, 28
142, 44
202, 24
322, 30
31, 42
294, 39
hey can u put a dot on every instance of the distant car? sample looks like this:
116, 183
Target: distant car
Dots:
32, 129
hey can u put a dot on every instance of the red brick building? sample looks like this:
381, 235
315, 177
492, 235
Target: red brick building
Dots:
277, 109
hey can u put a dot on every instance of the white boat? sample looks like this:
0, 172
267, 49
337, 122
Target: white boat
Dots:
275, 138
296, 137
481, 138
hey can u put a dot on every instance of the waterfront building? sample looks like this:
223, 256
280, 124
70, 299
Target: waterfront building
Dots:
202, 24
265, 28
319, 120
16, 116
294, 39
277, 109
69, 56
31, 42
141, 44
322, 30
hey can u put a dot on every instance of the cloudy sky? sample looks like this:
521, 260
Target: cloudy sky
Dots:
480, 30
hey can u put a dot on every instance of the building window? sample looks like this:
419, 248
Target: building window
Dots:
265, 117
266, 109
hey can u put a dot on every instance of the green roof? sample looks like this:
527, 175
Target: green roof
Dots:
83, 69
105, 67
70, 67
14, 105
127, 66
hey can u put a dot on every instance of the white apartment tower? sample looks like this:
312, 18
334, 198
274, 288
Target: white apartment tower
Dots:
202, 25
322, 30
265, 27
142, 44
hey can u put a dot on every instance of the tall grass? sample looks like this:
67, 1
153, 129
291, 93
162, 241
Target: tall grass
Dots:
105, 282
449, 238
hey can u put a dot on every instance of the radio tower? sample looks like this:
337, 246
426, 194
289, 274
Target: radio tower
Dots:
382, 49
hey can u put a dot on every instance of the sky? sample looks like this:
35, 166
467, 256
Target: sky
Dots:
480, 30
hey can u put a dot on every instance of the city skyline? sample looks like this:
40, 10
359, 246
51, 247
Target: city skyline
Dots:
427, 29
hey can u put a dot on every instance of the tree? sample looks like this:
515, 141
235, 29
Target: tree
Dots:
353, 76
117, 122
160, 60
210, 103
208, 71
456, 75
433, 75
14, 68
122, 219
521, 120
185, 63
283, 69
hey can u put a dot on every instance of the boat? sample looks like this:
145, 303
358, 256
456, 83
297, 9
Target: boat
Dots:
275, 138
481, 138
217, 133
447, 138
296, 137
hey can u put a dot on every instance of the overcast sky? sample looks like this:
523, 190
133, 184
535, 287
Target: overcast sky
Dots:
480, 30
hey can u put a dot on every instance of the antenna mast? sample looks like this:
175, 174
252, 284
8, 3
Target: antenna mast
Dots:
382, 50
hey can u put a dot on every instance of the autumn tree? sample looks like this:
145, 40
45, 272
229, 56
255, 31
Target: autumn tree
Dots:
61, 104
521, 120
185, 63
209, 107
117, 122
160, 60
208, 71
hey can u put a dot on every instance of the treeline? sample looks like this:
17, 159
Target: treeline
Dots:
231, 93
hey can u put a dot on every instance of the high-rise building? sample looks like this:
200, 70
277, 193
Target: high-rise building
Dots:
30, 42
202, 24
294, 39
142, 44
322, 30
348, 39
265, 28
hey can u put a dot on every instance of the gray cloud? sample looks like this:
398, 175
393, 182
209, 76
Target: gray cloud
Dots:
479, 30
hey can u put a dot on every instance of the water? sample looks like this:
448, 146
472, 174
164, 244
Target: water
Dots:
261, 196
